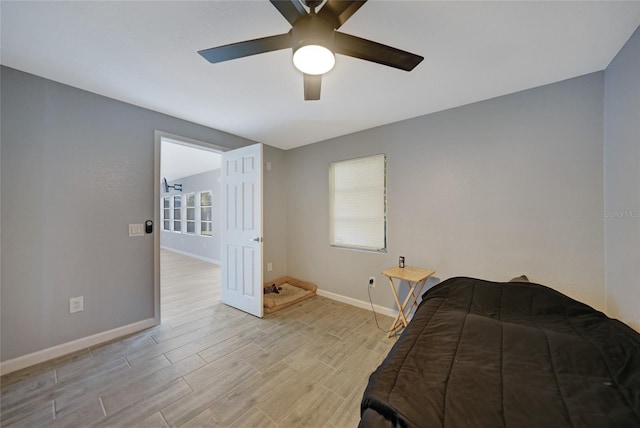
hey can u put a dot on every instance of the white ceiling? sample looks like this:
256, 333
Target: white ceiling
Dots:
145, 53
178, 160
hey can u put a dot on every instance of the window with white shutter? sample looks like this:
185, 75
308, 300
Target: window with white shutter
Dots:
358, 208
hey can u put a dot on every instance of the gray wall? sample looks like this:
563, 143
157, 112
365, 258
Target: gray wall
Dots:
77, 168
504, 187
622, 183
204, 247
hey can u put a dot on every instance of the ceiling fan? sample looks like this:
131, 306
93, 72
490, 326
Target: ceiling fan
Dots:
315, 41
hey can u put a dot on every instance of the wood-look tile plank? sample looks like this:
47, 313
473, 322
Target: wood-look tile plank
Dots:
225, 347
82, 415
172, 333
202, 286
203, 420
122, 347
282, 348
89, 368
348, 413
281, 398
345, 326
310, 331
337, 354
205, 342
210, 372
254, 418
18, 395
187, 318
154, 421
69, 397
318, 314
314, 409
28, 373
156, 381
241, 399
77, 380
141, 409
311, 350
197, 401
369, 328
34, 405
38, 415
354, 373
273, 335
266, 337
214, 320
191, 305
380, 347
141, 356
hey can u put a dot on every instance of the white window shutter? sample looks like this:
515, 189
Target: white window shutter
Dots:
358, 203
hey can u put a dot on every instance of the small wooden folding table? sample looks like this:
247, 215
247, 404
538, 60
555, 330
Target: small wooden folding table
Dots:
415, 277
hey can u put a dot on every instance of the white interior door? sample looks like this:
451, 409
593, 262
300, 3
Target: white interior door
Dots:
241, 238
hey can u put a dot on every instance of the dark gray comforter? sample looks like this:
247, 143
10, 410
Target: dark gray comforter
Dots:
488, 354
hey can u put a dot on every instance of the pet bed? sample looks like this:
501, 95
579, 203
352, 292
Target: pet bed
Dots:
290, 291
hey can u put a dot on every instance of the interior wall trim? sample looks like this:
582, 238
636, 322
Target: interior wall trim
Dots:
194, 256
57, 351
357, 303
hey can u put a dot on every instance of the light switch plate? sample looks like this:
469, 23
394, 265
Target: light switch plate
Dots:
136, 229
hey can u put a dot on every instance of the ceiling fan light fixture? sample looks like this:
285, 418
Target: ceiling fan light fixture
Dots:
314, 59
314, 41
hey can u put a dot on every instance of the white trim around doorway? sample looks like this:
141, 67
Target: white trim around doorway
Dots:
158, 137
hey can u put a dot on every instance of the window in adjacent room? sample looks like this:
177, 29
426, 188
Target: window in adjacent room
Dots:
166, 213
358, 212
190, 206
177, 213
205, 213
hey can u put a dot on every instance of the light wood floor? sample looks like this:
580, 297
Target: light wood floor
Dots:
209, 365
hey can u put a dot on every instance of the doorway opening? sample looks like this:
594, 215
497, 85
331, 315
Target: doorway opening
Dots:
188, 287
189, 204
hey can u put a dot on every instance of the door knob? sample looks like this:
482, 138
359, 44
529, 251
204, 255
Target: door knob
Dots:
257, 239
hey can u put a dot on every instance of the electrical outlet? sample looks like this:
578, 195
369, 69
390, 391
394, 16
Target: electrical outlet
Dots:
372, 281
76, 304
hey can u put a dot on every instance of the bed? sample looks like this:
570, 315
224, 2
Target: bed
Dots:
506, 354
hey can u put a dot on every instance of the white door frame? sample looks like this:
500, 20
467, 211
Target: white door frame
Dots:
158, 136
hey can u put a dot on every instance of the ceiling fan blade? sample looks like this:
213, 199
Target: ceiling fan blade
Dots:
312, 85
290, 9
338, 11
357, 47
247, 48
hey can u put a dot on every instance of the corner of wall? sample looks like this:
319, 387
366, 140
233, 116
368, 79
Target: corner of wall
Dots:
621, 215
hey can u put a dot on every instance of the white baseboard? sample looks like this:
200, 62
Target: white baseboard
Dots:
57, 351
195, 256
358, 303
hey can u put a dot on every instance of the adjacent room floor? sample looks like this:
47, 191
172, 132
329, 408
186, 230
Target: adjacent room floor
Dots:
209, 365
188, 285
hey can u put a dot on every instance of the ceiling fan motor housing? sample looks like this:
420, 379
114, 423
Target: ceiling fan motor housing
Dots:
312, 30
